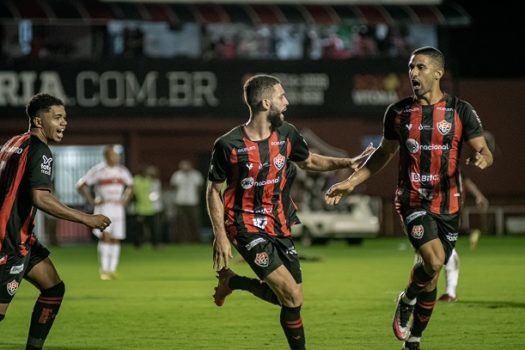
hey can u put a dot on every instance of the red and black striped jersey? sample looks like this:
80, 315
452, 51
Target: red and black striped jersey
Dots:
259, 176
430, 139
25, 164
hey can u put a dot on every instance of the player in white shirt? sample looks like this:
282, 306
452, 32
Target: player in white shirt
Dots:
112, 186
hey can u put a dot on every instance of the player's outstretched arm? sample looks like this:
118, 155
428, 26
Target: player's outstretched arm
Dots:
222, 250
44, 200
376, 161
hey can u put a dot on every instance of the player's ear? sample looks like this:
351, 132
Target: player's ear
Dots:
438, 73
265, 104
37, 121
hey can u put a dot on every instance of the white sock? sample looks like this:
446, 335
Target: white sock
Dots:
114, 257
408, 301
104, 256
414, 340
452, 274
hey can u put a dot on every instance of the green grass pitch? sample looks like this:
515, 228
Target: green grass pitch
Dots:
163, 301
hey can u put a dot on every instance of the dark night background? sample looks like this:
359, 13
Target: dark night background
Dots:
492, 47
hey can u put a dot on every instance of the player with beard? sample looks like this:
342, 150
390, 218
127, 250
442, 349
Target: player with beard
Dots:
26, 170
428, 130
254, 211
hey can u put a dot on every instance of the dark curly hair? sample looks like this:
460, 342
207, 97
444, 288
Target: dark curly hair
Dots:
41, 102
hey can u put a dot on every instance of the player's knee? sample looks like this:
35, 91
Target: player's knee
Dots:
57, 290
293, 297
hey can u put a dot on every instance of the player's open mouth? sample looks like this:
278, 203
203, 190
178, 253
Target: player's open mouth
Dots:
416, 84
60, 132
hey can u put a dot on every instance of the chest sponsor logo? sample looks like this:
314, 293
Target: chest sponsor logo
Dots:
16, 269
415, 177
444, 127
245, 149
45, 166
12, 287
262, 259
247, 183
412, 145
277, 143
249, 166
417, 231
279, 161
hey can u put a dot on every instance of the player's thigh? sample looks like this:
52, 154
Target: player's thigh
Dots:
43, 275
289, 292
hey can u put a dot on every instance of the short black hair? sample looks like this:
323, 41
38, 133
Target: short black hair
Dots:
258, 88
41, 102
432, 52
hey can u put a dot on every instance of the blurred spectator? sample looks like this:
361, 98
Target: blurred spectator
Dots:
363, 43
147, 190
187, 183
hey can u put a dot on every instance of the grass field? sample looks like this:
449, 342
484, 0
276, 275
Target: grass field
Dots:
163, 301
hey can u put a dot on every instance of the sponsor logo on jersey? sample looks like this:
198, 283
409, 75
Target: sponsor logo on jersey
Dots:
416, 177
415, 215
412, 145
444, 127
249, 166
247, 183
417, 231
279, 161
45, 166
277, 143
245, 149
262, 259
253, 243
16, 269
12, 287
452, 236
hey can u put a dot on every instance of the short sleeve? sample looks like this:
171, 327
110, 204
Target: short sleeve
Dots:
40, 166
300, 150
472, 126
389, 130
219, 162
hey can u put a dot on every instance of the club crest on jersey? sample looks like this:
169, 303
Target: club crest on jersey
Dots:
12, 287
417, 231
444, 127
262, 259
279, 161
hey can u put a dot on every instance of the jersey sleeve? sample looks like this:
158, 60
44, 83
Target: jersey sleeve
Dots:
90, 178
219, 162
389, 131
300, 150
40, 166
472, 126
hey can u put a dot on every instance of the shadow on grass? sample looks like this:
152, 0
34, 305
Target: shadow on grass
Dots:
492, 304
14, 346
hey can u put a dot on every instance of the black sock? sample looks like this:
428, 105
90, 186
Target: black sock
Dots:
258, 288
418, 281
293, 327
44, 312
423, 311
1, 317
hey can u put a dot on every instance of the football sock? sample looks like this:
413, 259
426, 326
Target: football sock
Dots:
418, 281
258, 288
114, 256
293, 327
423, 311
103, 253
44, 312
452, 274
2, 317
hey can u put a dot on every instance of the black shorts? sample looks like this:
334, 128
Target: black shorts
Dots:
264, 254
422, 226
14, 267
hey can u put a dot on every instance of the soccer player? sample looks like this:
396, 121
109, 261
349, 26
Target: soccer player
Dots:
428, 130
112, 185
255, 212
26, 169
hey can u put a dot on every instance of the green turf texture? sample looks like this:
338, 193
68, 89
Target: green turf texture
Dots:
163, 300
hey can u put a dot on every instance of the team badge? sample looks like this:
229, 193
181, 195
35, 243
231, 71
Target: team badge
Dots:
417, 231
444, 127
279, 161
262, 259
12, 287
